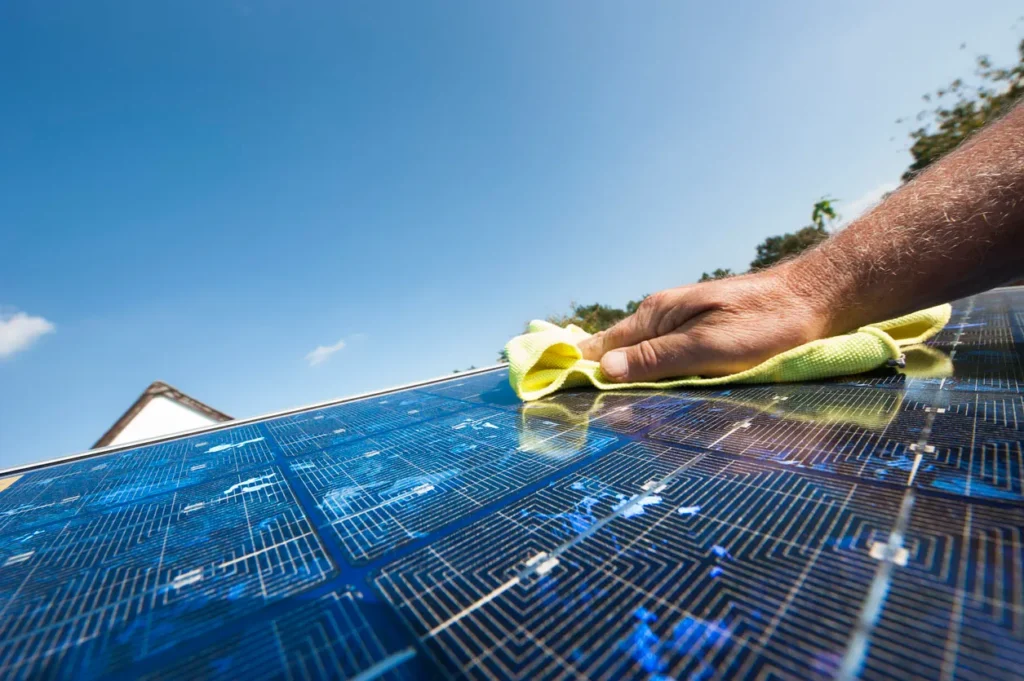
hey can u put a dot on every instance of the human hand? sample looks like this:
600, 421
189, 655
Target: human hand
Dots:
715, 328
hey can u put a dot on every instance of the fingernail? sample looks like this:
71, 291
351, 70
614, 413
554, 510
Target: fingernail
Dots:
614, 365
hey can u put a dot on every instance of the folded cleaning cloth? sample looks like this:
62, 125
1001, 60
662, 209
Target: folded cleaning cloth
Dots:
546, 358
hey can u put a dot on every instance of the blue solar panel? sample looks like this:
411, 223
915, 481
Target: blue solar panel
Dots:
868, 526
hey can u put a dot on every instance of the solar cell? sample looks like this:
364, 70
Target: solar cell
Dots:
863, 527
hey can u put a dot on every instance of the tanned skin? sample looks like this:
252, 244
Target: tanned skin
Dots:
955, 230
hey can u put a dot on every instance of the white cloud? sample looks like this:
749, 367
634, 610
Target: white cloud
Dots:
323, 353
18, 331
854, 208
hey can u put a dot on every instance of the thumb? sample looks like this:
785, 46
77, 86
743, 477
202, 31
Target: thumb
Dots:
648, 360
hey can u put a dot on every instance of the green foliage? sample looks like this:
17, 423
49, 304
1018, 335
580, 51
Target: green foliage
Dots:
719, 273
777, 248
823, 211
591, 318
950, 124
596, 317
971, 108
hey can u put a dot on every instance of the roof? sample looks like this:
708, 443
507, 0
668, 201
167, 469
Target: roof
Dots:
155, 390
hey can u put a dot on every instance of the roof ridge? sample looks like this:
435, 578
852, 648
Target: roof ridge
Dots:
154, 390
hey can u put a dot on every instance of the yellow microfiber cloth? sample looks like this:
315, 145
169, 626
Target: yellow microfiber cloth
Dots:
546, 359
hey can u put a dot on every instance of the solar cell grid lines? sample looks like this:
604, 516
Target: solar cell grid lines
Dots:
93, 590
406, 483
862, 527
657, 570
317, 430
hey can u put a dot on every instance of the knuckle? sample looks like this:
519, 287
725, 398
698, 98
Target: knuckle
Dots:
593, 347
620, 333
653, 302
646, 357
610, 338
652, 311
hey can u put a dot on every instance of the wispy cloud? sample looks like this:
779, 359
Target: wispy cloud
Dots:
18, 331
854, 208
323, 353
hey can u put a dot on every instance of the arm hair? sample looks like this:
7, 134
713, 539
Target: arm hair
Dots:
955, 230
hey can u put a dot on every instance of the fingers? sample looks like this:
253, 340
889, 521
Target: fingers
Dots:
712, 329
659, 314
671, 356
629, 331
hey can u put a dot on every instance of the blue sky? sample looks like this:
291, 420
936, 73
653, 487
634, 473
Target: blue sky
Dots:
268, 204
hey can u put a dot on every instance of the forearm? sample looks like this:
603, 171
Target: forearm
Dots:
955, 230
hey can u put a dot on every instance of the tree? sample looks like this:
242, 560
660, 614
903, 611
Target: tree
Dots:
823, 213
777, 248
634, 305
719, 273
591, 318
972, 108
595, 317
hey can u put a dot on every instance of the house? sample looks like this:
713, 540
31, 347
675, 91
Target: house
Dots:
160, 410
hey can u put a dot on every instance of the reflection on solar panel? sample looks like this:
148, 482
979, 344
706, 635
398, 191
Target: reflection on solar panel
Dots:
865, 527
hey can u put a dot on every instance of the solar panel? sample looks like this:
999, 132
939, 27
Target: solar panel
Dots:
865, 527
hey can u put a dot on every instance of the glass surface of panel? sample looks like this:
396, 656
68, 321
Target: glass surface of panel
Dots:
861, 527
